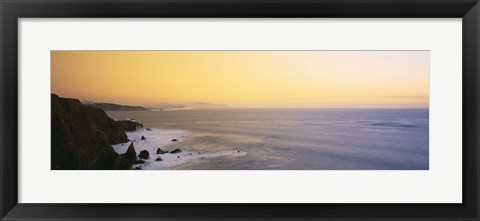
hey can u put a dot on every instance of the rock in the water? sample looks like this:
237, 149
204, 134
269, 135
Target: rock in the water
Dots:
122, 164
144, 154
178, 157
131, 154
143, 138
176, 151
174, 140
137, 168
160, 151
149, 129
138, 162
158, 159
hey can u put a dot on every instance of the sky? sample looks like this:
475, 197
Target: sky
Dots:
245, 79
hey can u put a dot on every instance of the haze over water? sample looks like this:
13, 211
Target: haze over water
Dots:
303, 139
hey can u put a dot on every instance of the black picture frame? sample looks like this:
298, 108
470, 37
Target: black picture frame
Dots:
12, 10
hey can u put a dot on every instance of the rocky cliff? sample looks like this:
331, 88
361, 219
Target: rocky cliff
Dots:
82, 137
127, 125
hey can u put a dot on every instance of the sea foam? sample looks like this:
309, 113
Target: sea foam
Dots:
159, 138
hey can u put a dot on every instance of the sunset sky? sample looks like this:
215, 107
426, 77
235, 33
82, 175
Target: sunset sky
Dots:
338, 79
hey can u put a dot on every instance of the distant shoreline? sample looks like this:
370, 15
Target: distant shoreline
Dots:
275, 108
208, 106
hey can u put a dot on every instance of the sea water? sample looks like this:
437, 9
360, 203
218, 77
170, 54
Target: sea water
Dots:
284, 139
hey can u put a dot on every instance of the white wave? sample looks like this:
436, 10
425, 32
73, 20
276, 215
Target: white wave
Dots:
171, 160
154, 138
159, 138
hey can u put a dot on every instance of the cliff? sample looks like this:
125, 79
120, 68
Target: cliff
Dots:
82, 137
127, 125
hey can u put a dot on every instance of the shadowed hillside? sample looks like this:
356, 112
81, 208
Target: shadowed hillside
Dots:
82, 137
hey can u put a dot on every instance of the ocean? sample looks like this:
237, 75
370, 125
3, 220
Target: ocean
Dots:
283, 139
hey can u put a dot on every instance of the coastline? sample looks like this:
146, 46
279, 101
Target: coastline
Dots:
164, 139
88, 138
294, 139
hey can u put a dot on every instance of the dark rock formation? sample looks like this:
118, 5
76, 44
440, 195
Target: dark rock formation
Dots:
159, 159
174, 140
176, 151
160, 151
128, 125
82, 137
138, 162
144, 154
131, 154
122, 163
143, 138
148, 129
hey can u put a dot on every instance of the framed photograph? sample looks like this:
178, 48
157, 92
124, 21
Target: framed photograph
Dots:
231, 110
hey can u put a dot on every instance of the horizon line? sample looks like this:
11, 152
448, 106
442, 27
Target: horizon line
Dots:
226, 106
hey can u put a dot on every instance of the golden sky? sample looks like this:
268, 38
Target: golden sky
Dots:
350, 79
